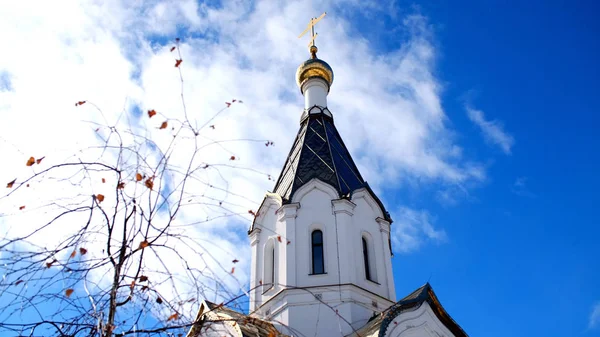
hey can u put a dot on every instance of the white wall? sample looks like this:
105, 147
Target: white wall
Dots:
316, 205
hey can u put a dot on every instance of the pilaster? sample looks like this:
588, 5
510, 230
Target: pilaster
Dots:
286, 242
255, 266
343, 209
384, 228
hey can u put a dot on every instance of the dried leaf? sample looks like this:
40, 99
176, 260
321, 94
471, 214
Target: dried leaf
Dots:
272, 333
151, 113
233, 100
212, 127
260, 282
138, 177
173, 317
159, 300
164, 125
82, 251
193, 299
30, 161
177, 63
132, 285
22, 208
232, 270
279, 238
103, 180
143, 278
27, 185
172, 48
121, 185
73, 253
68, 292
100, 198
228, 104
144, 288
19, 282
149, 183
235, 261
144, 244
288, 242
80, 103
10, 184
38, 161
49, 264
232, 158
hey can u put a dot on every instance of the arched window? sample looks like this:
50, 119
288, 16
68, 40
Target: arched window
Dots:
318, 260
365, 248
269, 266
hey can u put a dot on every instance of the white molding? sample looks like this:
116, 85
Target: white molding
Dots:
314, 184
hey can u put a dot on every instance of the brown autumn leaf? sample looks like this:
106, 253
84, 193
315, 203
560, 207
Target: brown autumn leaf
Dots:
22, 208
235, 261
164, 125
138, 177
82, 251
73, 254
151, 113
177, 63
30, 161
193, 299
172, 48
260, 282
228, 104
27, 185
232, 270
100, 198
19, 282
149, 183
49, 264
251, 212
132, 285
279, 238
103, 180
68, 292
232, 158
39, 160
288, 242
173, 317
121, 185
272, 333
143, 278
144, 288
212, 127
10, 184
80, 103
159, 300
144, 244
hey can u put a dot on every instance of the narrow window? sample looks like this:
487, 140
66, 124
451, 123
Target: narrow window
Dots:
366, 259
318, 263
273, 266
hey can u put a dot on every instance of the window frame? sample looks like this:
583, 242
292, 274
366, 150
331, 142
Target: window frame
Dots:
318, 245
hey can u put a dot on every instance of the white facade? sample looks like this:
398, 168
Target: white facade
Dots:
297, 297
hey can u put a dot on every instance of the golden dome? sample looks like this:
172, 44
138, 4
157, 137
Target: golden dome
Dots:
314, 68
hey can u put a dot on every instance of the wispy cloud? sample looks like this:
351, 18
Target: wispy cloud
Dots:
520, 188
492, 130
412, 228
594, 321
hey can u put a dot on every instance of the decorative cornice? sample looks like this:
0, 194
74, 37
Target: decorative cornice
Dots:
254, 236
288, 211
343, 206
384, 225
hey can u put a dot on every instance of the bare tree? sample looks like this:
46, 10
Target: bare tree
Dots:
107, 249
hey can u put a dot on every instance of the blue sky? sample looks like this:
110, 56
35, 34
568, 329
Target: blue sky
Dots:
496, 207
520, 260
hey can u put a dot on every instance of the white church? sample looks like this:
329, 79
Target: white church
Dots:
321, 248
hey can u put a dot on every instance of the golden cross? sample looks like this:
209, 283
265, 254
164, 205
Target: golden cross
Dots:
311, 27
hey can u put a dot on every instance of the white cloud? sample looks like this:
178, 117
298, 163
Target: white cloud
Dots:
493, 130
520, 188
412, 228
594, 321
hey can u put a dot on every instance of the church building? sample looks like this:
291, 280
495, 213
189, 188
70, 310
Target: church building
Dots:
321, 247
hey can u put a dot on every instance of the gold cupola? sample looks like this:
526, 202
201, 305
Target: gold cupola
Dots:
314, 68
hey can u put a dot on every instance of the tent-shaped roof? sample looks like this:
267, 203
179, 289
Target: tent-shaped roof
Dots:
318, 152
